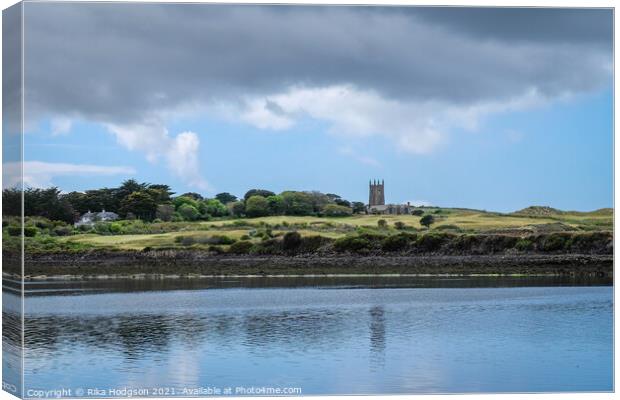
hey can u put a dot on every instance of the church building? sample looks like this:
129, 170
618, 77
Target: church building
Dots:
376, 201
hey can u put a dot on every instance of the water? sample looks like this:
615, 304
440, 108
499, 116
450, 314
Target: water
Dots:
338, 336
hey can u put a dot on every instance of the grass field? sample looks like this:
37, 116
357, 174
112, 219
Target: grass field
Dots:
451, 220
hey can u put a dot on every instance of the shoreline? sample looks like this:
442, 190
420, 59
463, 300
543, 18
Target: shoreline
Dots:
191, 264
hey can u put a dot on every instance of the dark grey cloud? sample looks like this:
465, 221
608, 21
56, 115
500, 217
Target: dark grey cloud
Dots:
122, 62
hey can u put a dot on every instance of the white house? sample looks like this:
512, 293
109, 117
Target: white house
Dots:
90, 218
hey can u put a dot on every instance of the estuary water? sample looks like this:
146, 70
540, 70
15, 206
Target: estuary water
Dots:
315, 336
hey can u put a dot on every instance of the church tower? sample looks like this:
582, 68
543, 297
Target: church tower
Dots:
376, 195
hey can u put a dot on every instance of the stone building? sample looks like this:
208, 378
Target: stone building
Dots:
376, 201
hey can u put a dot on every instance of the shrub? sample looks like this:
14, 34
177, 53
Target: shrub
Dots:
400, 225
30, 231
432, 241
102, 228
524, 244
427, 220
334, 210
310, 244
382, 224
395, 243
188, 212
498, 243
417, 213
115, 228
14, 230
245, 237
63, 230
554, 242
220, 239
291, 240
216, 249
351, 243
241, 247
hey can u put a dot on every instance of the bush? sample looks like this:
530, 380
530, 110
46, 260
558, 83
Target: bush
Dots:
188, 212
400, 225
351, 243
432, 241
14, 230
310, 244
220, 239
554, 242
382, 224
115, 228
417, 213
395, 243
30, 231
334, 210
427, 220
291, 240
102, 228
63, 230
241, 247
524, 244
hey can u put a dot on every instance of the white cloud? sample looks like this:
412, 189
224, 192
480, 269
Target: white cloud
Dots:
413, 126
41, 174
180, 153
61, 126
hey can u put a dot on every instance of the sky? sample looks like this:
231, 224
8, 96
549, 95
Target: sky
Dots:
486, 108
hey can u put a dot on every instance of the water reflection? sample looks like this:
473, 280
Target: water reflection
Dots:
336, 341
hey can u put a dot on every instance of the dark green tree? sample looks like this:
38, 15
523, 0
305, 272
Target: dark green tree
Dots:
427, 220
358, 207
226, 197
141, 204
256, 206
257, 192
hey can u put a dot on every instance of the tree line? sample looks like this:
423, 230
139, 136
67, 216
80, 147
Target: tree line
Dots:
148, 202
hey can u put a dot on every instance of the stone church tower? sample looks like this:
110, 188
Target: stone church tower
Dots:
376, 195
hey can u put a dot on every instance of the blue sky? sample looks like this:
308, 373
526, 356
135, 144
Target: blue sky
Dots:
559, 155
448, 106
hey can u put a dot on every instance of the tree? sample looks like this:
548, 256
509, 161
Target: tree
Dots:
225, 197
164, 212
179, 201
215, 208
188, 212
358, 207
343, 202
12, 201
297, 203
334, 210
236, 208
427, 220
128, 187
141, 204
161, 193
47, 203
256, 206
193, 195
276, 205
257, 192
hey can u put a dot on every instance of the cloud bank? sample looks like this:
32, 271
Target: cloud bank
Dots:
409, 74
40, 174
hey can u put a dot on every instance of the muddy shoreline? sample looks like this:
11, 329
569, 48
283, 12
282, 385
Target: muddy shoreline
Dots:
191, 263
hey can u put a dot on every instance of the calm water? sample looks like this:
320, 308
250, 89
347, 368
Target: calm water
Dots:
346, 336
